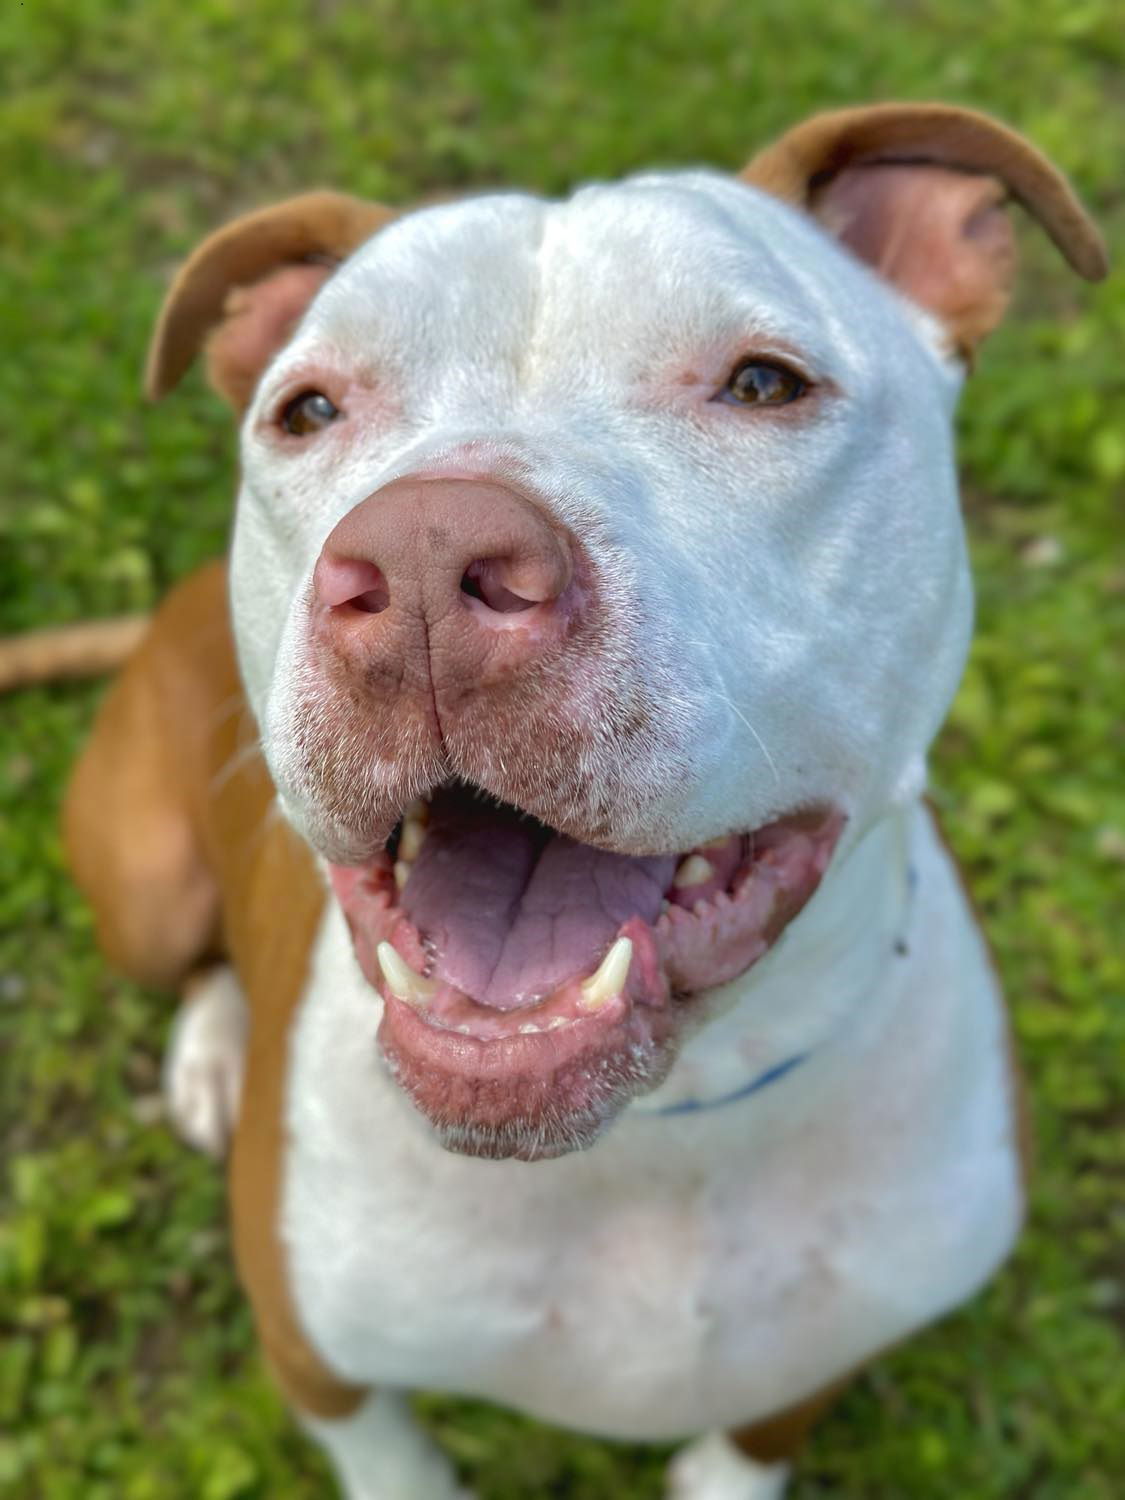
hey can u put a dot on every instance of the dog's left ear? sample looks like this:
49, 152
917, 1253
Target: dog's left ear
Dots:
918, 191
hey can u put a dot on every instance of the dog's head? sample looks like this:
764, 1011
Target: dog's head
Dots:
598, 573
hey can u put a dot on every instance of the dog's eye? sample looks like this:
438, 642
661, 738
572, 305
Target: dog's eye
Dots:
308, 412
758, 382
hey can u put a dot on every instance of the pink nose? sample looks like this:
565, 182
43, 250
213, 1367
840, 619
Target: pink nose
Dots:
481, 567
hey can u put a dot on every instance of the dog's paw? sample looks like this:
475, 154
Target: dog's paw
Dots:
204, 1061
712, 1468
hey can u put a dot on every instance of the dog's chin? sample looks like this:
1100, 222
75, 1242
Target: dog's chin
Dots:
532, 985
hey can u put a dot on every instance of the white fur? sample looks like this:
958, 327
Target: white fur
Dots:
204, 1061
712, 1468
791, 599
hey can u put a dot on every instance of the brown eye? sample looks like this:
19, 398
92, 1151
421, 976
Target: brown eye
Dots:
308, 412
759, 383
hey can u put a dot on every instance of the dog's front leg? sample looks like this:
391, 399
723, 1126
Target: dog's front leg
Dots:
380, 1453
714, 1467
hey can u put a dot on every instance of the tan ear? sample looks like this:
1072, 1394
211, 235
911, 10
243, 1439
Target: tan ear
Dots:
251, 281
918, 191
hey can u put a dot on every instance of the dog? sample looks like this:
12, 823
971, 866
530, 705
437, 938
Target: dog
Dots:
537, 835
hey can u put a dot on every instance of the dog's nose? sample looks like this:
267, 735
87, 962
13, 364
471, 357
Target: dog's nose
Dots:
474, 561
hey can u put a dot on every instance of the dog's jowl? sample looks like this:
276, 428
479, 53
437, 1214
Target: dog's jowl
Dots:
530, 812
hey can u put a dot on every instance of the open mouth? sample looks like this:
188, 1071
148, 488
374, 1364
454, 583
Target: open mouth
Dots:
532, 983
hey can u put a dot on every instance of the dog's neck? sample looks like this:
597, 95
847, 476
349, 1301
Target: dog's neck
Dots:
833, 969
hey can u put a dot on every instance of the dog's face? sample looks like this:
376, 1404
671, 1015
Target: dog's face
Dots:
598, 577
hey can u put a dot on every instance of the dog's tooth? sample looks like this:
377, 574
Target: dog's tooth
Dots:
402, 872
411, 839
609, 979
555, 1022
695, 870
418, 812
529, 1028
401, 979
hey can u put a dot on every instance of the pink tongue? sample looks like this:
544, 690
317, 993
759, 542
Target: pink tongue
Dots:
510, 910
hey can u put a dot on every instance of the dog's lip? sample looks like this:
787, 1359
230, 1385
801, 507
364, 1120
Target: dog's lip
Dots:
513, 1051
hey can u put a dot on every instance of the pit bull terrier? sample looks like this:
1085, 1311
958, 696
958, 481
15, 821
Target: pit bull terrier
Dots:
595, 1012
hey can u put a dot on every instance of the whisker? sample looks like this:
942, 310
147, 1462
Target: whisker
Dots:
734, 708
226, 709
710, 646
233, 764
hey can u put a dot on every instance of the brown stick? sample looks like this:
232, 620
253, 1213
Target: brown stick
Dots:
85, 650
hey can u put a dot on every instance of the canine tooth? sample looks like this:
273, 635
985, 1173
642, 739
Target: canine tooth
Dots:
401, 979
609, 979
695, 870
402, 872
418, 812
411, 839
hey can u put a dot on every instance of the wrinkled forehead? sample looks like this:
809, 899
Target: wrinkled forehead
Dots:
656, 261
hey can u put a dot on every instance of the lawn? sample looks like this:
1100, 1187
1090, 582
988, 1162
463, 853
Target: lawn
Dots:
128, 1369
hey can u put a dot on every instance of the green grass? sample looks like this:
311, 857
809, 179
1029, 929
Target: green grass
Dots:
127, 1367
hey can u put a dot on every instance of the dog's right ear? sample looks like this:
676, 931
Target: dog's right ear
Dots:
244, 288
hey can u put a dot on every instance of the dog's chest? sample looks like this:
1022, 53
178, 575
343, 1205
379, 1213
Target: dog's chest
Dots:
683, 1272
627, 1302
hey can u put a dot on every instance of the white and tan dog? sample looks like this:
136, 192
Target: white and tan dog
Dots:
618, 1042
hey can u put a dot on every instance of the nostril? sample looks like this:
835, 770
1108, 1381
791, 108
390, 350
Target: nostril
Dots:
351, 582
373, 600
485, 580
